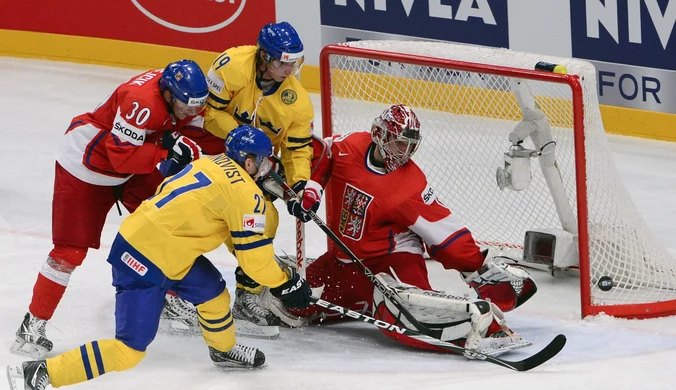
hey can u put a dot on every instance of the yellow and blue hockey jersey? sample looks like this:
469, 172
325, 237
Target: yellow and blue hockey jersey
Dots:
211, 201
284, 113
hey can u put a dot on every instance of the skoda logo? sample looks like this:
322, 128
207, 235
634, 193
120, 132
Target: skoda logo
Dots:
160, 15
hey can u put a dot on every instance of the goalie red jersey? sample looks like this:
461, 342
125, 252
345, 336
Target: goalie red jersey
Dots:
381, 213
118, 139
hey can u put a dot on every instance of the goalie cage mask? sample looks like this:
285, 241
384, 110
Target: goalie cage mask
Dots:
396, 132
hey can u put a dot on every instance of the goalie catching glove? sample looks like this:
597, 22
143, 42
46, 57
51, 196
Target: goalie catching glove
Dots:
506, 286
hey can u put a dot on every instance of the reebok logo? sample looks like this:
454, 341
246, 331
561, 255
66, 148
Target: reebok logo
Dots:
26, 334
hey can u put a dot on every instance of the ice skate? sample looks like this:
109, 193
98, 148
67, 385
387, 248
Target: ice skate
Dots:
252, 318
179, 317
31, 340
499, 337
28, 376
501, 342
240, 356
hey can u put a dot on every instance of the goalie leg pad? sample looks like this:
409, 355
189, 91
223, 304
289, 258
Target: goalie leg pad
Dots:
476, 324
506, 286
432, 309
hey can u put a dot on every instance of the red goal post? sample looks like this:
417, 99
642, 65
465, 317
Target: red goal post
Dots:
478, 104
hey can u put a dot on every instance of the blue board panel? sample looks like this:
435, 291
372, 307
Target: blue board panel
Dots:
466, 21
632, 32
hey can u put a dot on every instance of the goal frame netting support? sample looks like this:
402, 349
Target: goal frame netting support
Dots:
630, 310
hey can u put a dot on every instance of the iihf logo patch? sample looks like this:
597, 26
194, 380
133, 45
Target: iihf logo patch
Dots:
134, 264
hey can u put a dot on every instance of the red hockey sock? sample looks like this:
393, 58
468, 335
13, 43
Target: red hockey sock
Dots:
53, 280
46, 297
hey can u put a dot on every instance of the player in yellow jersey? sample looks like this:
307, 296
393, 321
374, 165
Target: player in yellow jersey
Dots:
160, 246
257, 85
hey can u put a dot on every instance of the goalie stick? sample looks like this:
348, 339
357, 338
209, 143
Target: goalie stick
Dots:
546, 353
424, 334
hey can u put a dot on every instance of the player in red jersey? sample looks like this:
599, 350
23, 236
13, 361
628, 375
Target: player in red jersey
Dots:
388, 215
119, 152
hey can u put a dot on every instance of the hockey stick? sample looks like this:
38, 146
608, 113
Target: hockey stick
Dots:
301, 264
546, 353
427, 336
387, 292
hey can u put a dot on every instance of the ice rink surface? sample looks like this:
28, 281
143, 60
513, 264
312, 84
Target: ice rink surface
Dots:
37, 102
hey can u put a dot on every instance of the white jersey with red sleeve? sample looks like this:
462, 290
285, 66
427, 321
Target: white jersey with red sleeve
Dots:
122, 136
376, 213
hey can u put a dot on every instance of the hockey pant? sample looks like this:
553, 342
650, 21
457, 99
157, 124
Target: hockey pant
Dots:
138, 305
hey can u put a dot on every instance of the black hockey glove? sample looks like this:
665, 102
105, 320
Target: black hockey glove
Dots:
182, 151
294, 293
310, 193
245, 282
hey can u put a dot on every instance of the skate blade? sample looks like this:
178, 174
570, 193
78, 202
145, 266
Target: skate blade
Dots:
32, 351
251, 330
15, 377
177, 328
287, 319
234, 366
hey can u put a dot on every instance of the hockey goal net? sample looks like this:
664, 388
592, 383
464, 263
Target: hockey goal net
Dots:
476, 104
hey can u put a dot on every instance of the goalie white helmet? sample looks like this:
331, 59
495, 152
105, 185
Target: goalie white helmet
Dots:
396, 132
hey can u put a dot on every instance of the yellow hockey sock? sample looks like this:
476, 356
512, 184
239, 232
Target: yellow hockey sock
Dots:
90, 361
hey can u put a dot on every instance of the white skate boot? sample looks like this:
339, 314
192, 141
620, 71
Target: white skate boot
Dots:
252, 318
31, 339
179, 317
240, 356
28, 376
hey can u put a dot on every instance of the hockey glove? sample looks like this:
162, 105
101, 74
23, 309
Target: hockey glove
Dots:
182, 152
295, 293
245, 282
506, 286
310, 195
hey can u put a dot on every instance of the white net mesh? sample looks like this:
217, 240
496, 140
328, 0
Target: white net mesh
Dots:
466, 118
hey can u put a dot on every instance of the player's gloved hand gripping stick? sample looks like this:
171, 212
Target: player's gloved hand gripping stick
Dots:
553, 348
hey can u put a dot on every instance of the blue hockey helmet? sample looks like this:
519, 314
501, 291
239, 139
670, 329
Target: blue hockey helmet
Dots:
187, 84
247, 141
281, 42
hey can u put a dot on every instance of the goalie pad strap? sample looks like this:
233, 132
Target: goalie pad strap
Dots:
457, 318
